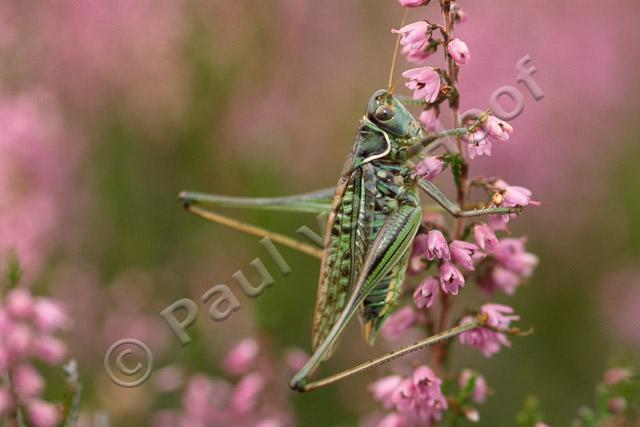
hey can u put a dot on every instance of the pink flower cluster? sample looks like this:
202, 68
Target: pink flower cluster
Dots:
252, 401
27, 328
487, 340
506, 264
492, 130
32, 176
471, 251
415, 400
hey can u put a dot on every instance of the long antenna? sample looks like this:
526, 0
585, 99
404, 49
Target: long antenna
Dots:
395, 54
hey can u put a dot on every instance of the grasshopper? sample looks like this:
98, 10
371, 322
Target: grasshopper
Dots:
374, 213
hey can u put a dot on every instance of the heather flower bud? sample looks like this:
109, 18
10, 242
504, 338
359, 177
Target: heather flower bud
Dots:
426, 292
241, 357
464, 253
430, 167
615, 375
478, 145
383, 389
414, 34
451, 279
296, 358
617, 405
49, 349
498, 222
518, 196
429, 118
398, 323
437, 247
43, 414
424, 82
414, 3
485, 237
459, 51
28, 383
246, 393
480, 388
458, 14
486, 340
19, 303
49, 315
497, 129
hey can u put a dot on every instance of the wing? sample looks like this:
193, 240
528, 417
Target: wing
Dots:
349, 230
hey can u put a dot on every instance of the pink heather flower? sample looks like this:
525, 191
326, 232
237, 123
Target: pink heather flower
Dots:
33, 168
413, 34
419, 248
415, 41
43, 414
505, 280
414, 3
392, 420
511, 254
197, 395
617, 405
498, 222
424, 82
27, 381
6, 401
296, 358
430, 167
398, 323
242, 356
478, 146
437, 247
384, 388
451, 279
540, 424
49, 349
246, 393
459, 51
499, 315
418, 253
513, 195
485, 237
485, 340
464, 253
429, 118
19, 303
458, 13
17, 340
49, 315
497, 129
420, 396
416, 265
426, 292
480, 387
615, 375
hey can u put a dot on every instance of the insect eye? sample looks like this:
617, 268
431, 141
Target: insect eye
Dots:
384, 113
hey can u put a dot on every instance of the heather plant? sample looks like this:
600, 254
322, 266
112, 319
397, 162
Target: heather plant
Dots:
29, 328
453, 254
249, 392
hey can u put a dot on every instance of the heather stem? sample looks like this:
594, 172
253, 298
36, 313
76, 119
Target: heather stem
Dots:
462, 182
